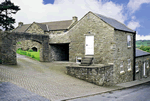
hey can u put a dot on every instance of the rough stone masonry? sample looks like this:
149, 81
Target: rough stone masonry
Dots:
8, 42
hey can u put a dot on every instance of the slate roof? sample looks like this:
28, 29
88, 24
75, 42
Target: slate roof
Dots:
141, 53
114, 23
22, 28
57, 25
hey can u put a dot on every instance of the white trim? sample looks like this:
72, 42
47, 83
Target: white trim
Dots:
122, 72
121, 67
47, 27
147, 64
78, 59
129, 41
129, 65
137, 67
144, 74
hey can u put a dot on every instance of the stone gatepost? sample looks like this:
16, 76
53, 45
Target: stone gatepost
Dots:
8, 50
45, 55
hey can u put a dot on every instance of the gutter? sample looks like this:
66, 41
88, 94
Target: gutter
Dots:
134, 54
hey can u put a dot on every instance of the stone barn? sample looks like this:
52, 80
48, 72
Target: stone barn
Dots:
95, 39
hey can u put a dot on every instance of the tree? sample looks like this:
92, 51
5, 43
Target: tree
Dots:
6, 9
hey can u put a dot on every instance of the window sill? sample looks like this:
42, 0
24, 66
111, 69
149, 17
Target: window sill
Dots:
137, 71
129, 70
129, 47
122, 72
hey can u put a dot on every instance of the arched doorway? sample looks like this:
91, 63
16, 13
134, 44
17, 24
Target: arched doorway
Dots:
34, 49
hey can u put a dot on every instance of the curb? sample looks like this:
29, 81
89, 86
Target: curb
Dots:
108, 91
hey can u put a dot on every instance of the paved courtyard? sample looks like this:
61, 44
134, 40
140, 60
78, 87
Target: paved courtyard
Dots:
47, 79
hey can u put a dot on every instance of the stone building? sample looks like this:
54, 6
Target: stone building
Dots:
50, 28
142, 69
103, 39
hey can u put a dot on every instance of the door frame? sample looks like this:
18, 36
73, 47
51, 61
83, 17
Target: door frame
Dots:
85, 45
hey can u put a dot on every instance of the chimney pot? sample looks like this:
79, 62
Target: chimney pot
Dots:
20, 24
74, 19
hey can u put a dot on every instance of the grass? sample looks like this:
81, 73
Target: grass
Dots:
30, 53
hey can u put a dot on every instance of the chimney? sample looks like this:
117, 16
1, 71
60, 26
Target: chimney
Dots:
20, 24
74, 19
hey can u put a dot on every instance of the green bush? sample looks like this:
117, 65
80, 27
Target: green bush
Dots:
145, 48
29, 54
19, 49
30, 50
32, 56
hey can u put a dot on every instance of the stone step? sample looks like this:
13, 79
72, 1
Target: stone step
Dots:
86, 61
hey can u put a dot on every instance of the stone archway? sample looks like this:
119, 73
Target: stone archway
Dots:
8, 46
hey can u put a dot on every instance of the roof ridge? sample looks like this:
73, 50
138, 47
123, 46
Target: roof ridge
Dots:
54, 21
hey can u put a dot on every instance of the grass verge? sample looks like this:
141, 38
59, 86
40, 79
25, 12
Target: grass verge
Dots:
30, 53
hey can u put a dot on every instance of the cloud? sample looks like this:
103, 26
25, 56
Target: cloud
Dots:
142, 37
35, 10
134, 5
133, 24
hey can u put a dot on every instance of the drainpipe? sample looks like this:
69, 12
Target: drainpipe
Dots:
134, 53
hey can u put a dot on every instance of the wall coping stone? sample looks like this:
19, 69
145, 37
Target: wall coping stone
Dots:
91, 66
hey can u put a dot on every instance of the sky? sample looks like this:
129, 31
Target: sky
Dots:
133, 13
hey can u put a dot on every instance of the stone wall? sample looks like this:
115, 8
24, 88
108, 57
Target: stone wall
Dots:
121, 53
102, 76
8, 46
0, 48
29, 44
56, 32
140, 71
103, 39
34, 29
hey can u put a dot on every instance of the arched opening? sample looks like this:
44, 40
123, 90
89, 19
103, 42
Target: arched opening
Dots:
60, 52
8, 48
34, 49
28, 48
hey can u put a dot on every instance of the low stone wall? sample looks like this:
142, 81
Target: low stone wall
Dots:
99, 75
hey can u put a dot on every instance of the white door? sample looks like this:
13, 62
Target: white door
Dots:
89, 45
144, 69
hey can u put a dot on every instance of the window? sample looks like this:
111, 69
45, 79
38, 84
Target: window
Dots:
78, 60
144, 70
147, 64
121, 67
58, 32
129, 41
137, 67
129, 64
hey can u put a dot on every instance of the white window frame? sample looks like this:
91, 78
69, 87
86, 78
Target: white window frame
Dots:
129, 65
128, 40
78, 60
137, 67
147, 63
121, 68
144, 69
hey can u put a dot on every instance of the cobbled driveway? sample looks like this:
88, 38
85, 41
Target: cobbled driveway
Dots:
46, 79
